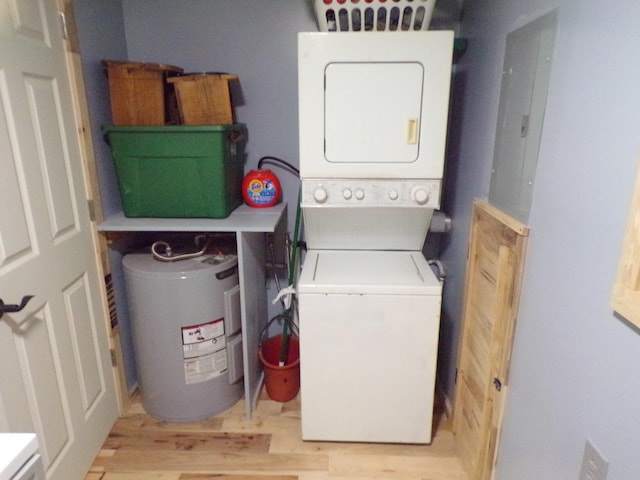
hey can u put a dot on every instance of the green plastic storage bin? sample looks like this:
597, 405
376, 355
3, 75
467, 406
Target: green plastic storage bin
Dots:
179, 171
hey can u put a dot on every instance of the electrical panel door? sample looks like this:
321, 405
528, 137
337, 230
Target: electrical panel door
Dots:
523, 96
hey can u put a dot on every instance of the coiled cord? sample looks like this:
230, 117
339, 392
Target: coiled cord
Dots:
168, 256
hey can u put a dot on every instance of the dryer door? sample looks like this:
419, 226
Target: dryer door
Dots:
372, 112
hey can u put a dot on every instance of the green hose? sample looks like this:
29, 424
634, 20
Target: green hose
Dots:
288, 313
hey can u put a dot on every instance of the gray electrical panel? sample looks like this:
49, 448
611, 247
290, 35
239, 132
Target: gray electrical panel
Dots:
523, 96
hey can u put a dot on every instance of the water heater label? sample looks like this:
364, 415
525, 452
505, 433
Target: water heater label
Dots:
201, 333
205, 351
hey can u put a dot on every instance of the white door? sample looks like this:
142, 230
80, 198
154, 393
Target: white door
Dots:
55, 375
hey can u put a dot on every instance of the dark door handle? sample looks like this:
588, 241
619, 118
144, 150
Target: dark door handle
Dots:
14, 308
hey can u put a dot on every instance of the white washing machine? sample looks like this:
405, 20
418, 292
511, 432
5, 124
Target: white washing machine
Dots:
369, 329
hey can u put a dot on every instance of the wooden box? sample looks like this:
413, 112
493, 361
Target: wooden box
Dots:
205, 98
140, 93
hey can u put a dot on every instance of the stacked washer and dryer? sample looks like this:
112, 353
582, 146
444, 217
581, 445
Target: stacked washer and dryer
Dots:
373, 121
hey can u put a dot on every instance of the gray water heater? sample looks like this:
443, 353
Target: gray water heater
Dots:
185, 318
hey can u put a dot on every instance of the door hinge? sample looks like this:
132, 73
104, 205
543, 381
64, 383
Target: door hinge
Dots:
92, 210
63, 25
114, 358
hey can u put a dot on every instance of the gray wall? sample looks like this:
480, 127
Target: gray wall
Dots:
574, 369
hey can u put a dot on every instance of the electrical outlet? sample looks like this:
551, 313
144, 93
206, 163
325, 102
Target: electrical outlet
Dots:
594, 465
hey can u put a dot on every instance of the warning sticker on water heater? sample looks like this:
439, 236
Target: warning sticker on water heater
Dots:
204, 351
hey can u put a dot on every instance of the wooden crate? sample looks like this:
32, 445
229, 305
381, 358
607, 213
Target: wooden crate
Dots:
140, 93
205, 98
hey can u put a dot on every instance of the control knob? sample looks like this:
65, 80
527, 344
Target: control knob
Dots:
420, 194
320, 195
359, 193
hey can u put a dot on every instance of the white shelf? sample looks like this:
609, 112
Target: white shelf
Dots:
242, 219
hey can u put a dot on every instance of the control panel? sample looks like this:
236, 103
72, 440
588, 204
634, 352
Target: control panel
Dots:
370, 193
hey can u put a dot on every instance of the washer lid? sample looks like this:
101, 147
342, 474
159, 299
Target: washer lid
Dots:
367, 272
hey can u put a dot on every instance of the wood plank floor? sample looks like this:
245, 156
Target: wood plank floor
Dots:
267, 447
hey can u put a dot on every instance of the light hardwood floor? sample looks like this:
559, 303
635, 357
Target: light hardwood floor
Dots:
267, 447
